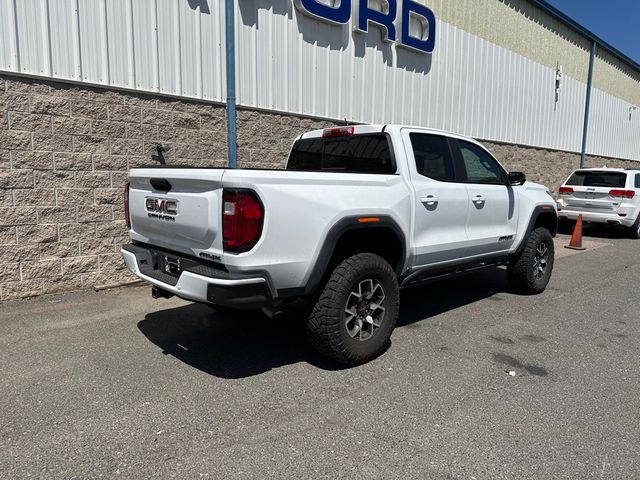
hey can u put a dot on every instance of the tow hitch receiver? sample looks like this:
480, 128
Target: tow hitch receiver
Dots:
157, 292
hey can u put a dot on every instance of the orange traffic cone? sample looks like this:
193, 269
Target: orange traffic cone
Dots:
576, 236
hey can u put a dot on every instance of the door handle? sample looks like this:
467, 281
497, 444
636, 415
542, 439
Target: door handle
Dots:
429, 200
478, 199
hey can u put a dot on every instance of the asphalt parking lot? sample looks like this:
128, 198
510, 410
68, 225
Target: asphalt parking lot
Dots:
116, 384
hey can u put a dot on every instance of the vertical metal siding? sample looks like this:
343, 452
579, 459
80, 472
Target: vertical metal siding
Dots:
8, 37
65, 39
613, 122
145, 45
168, 30
119, 34
190, 54
163, 46
32, 22
94, 54
289, 62
212, 52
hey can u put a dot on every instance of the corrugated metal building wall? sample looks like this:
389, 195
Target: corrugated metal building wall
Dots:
289, 62
165, 46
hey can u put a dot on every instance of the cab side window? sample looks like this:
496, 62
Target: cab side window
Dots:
433, 157
480, 166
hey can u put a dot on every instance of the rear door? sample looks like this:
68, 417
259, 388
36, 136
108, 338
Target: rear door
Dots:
591, 190
492, 214
440, 200
178, 209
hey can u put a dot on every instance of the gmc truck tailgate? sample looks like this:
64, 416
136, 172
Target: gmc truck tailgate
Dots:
178, 209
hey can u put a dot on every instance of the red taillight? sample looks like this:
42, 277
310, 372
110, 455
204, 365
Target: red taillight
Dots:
565, 190
622, 193
242, 216
127, 219
338, 132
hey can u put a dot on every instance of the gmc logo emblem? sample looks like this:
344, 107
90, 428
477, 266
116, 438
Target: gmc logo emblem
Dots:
161, 205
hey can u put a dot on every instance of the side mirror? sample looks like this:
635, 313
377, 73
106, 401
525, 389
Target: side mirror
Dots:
516, 178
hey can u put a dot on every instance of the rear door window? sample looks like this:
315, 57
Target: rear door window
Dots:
356, 154
598, 179
433, 156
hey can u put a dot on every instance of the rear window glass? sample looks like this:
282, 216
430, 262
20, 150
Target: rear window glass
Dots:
598, 179
637, 180
433, 156
357, 154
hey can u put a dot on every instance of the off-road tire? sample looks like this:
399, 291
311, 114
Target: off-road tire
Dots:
634, 230
326, 326
521, 266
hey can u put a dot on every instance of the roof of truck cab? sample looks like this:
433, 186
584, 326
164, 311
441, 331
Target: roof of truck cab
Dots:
607, 169
378, 128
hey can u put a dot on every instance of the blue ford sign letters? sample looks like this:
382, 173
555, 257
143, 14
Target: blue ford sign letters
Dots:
385, 18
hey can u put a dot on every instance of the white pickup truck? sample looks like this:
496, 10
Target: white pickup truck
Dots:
359, 212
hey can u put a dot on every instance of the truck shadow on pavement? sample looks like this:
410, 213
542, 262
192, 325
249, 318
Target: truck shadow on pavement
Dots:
426, 301
246, 344
229, 345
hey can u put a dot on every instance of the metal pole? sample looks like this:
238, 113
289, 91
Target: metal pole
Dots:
587, 105
231, 82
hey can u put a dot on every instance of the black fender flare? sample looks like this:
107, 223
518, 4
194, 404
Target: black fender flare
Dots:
535, 215
335, 233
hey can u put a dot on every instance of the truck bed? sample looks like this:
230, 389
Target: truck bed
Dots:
313, 199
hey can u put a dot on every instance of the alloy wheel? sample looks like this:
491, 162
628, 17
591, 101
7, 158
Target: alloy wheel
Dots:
541, 260
365, 309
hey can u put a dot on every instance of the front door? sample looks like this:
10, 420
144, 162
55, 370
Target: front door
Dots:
440, 199
493, 214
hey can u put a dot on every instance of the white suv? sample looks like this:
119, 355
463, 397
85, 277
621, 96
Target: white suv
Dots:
609, 196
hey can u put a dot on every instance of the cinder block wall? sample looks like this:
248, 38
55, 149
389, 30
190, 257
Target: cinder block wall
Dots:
65, 151
64, 154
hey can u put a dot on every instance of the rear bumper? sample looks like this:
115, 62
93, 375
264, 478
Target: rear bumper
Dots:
596, 217
198, 281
